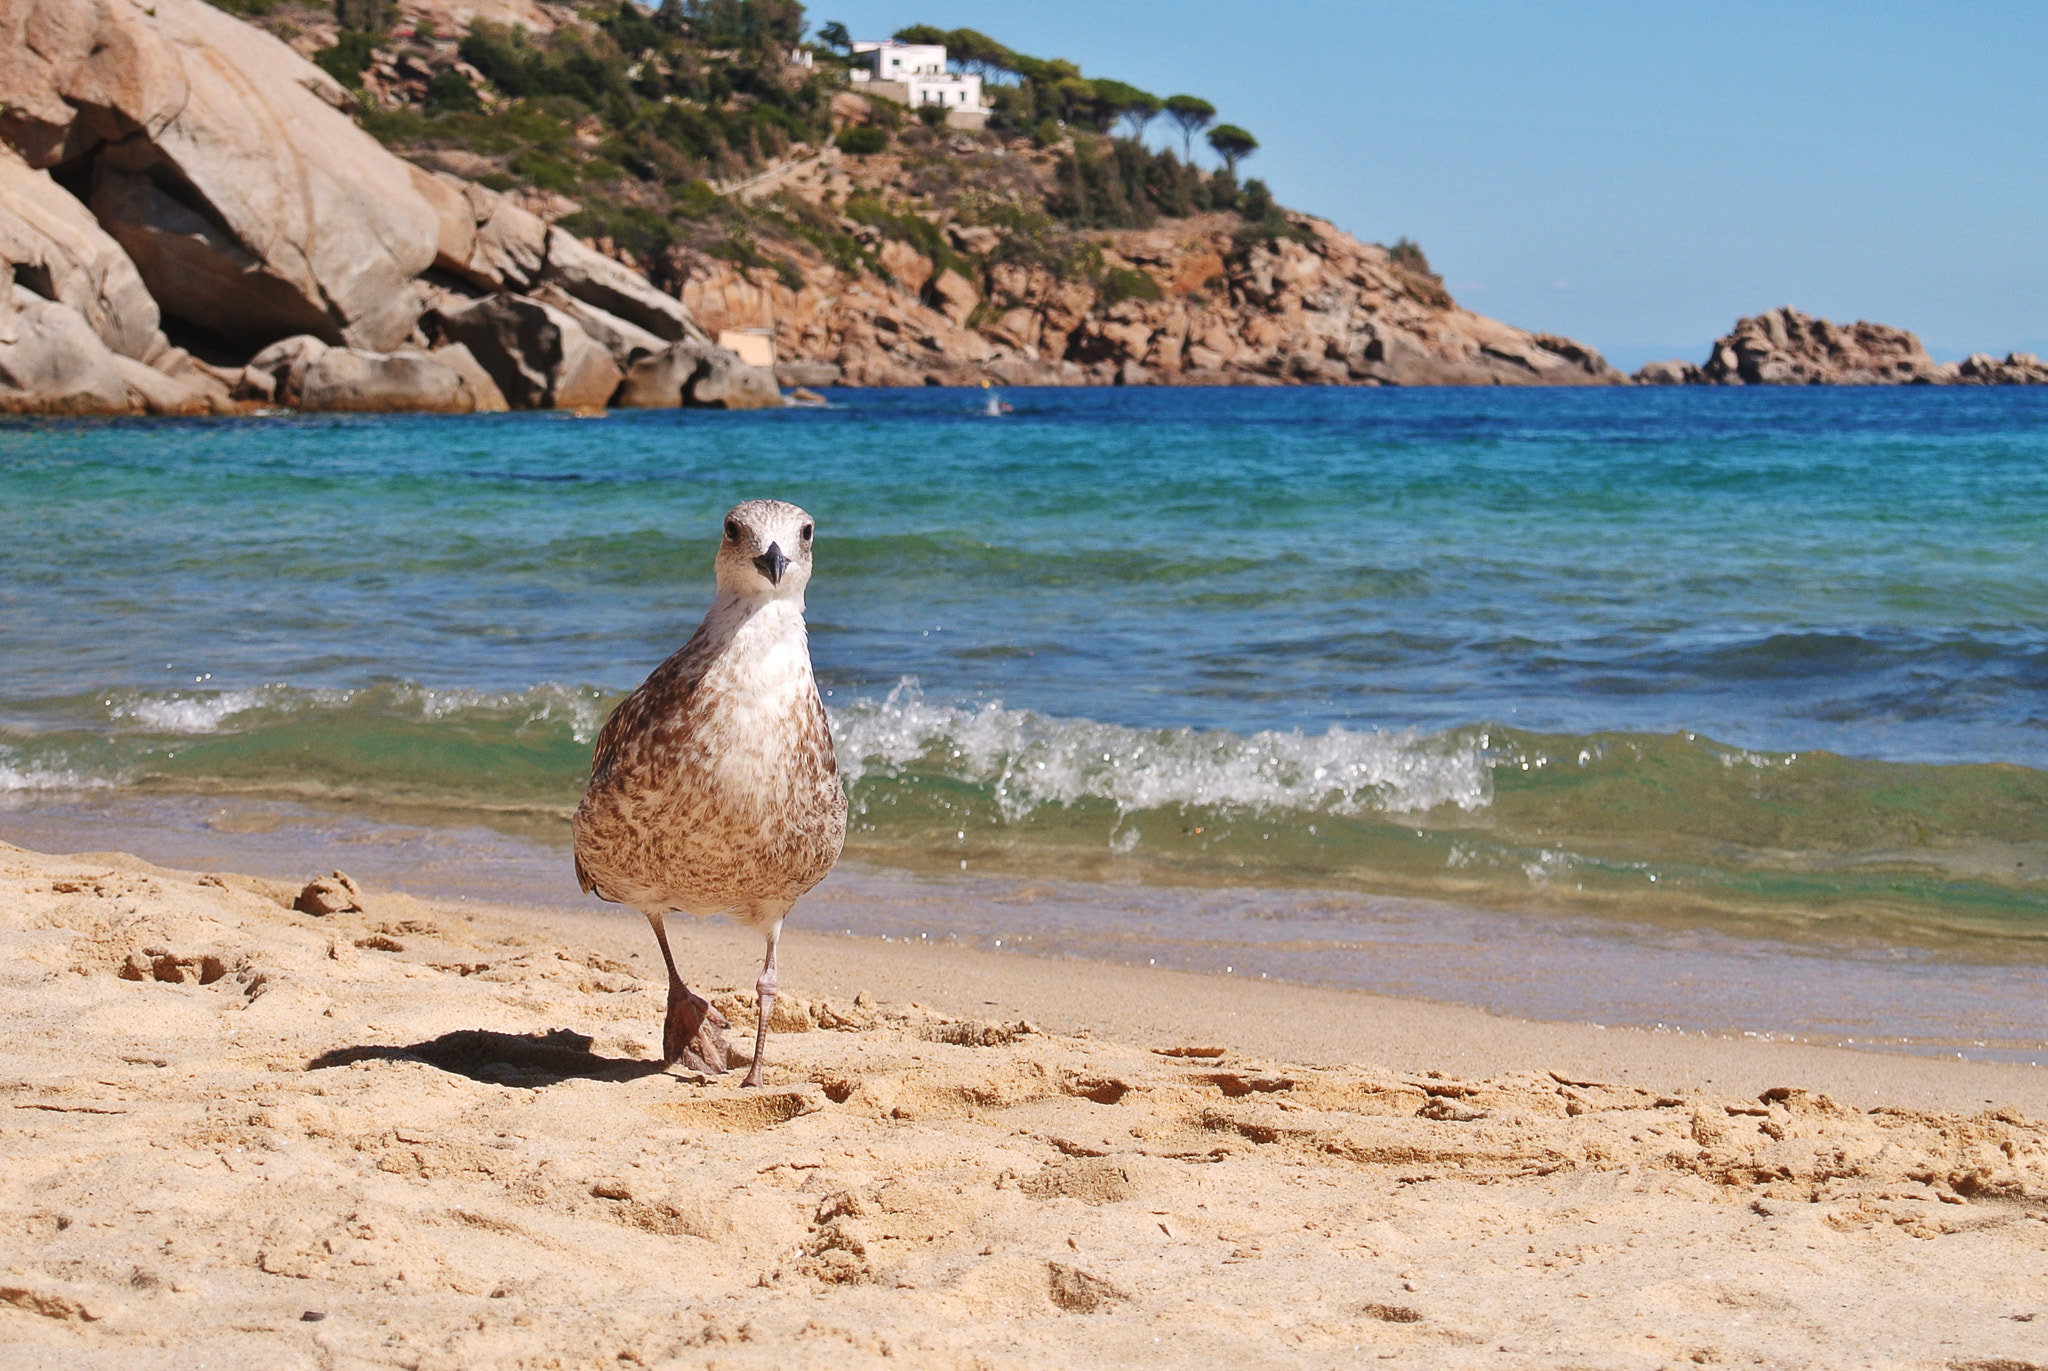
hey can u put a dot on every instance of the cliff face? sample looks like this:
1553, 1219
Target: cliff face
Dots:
1787, 348
1187, 302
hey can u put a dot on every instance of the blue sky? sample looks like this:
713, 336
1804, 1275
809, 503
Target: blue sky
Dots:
1633, 175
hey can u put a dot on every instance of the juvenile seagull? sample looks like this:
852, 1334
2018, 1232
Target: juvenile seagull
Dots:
714, 789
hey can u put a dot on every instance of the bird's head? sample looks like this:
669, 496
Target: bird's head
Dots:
765, 551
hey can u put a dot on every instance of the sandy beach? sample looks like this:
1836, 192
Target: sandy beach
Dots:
429, 1135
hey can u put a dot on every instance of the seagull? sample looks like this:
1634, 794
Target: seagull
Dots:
713, 788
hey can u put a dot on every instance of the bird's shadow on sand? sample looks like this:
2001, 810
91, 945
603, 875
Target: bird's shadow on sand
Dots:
529, 1060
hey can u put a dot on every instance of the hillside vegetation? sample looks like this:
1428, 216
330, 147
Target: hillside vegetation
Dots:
637, 121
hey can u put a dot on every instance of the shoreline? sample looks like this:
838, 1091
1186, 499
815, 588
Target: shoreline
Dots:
811, 396
1312, 1025
1644, 973
428, 1133
1299, 1021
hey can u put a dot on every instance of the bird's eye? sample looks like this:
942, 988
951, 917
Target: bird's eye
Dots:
805, 532
732, 529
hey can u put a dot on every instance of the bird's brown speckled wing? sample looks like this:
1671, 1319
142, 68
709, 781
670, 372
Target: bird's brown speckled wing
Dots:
818, 737
826, 823
666, 691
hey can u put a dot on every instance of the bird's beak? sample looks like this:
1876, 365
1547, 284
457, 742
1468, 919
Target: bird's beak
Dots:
771, 563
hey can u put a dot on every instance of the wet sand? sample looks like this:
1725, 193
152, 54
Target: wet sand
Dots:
428, 1133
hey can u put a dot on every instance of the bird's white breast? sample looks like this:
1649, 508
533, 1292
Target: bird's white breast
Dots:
757, 694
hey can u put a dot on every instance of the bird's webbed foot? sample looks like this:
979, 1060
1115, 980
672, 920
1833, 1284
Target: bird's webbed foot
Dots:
693, 1033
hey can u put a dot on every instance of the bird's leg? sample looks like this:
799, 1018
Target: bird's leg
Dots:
693, 1031
764, 988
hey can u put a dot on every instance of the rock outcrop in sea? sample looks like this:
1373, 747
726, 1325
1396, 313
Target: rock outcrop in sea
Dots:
1784, 347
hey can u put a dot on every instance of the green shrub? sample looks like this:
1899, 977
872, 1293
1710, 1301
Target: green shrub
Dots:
1222, 190
1409, 256
842, 251
861, 140
1258, 200
450, 91
931, 116
1122, 283
1269, 230
1120, 183
390, 126
914, 229
549, 173
348, 58
1034, 239
818, 226
366, 16
693, 131
1047, 133
695, 199
1094, 190
635, 227
738, 248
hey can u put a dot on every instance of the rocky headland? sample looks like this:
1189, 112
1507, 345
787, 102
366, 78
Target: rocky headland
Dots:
199, 219
452, 206
1318, 308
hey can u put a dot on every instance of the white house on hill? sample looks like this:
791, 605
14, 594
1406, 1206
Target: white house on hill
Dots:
915, 74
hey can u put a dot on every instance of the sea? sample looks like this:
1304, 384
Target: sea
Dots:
1707, 710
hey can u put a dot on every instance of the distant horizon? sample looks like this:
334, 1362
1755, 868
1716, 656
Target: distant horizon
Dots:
1616, 174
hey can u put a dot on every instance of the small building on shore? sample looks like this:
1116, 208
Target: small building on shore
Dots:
755, 346
915, 74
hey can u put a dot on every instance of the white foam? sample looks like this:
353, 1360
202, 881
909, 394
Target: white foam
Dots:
1032, 759
196, 713
583, 710
33, 778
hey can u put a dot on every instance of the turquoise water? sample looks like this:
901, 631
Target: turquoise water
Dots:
1771, 663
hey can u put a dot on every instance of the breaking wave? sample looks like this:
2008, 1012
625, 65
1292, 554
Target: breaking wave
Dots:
1478, 814
1027, 760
